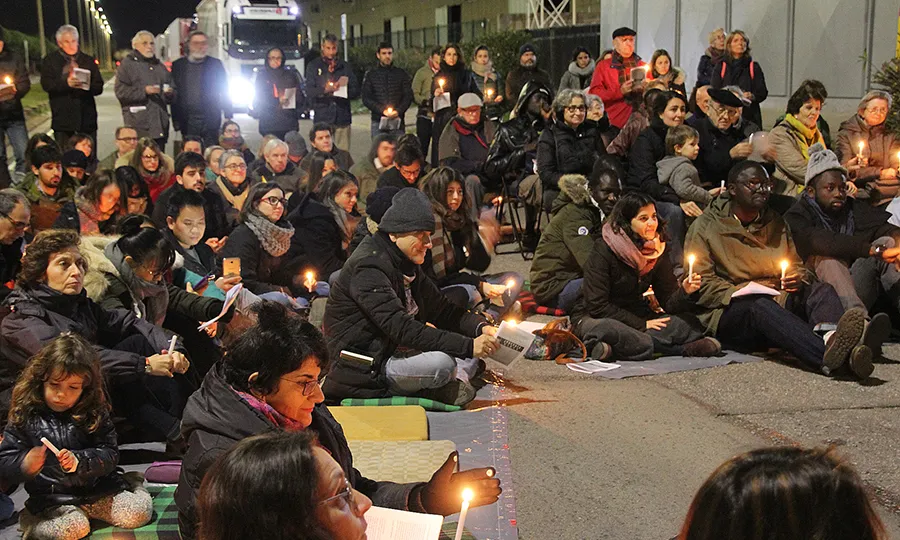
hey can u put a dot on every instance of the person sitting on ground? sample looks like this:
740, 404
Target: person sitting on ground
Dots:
212, 155
512, 157
36, 141
327, 221
377, 204
408, 170
740, 239
279, 169
321, 138
315, 500
135, 192
48, 189
59, 397
461, 243
230, 138
828, 499
320, 166
638, 121
126, 141
84, 144
794, 135
379, 307
379, 160
698, 104
847, 243
464, 146
75, 164
678, 171
661, 69
157, 172
16, 210
613, 316
723, 137
50, 299
232, 186
96, 207
270, 381
558, 266
192, 143
866, 134
189, 176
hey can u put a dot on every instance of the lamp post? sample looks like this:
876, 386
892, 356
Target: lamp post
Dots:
66, 11
41, 36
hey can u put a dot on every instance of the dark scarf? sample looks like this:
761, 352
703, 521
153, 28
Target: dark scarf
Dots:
624, 65
643, 260
714, 55
465, 130
443, 254
844, 223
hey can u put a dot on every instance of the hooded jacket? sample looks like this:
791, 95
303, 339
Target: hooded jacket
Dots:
649, 148
318, 244
12, 66
508, 159
216, 418
881, 143
679, 173
566, 242
562, 150
576, 78
73, 109
367, 314
146, 113
267, 107
326, 107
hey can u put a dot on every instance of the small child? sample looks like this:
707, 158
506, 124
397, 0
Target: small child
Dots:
677, 169
59, 396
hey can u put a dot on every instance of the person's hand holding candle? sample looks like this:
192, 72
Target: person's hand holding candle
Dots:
790, 277
440, 89
442, 494
309, 281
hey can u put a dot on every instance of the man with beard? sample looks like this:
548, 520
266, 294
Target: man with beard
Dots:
740, 241
613, 80
49, 190
387, 92
526, 71
847, 243
464, 146
513, 153
144, 89
202, 92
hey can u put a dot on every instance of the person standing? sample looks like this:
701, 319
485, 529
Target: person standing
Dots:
387, 92
14, 84
279, 90
144, 89
613, 81
526, 71
711, 58
330, 85
489, 82
422, 85
453, 79
580, 72
738, 68
72, 79
202, 92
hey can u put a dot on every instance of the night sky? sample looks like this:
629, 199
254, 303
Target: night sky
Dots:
126, 17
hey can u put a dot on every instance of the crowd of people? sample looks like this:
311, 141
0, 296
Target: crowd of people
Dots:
676, 226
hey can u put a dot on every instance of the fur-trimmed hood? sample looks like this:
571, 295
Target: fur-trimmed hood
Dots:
574, 187
95, 281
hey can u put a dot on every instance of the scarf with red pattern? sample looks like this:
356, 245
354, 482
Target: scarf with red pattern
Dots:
279, 420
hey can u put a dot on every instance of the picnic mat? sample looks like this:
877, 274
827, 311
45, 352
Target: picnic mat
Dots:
163, 526
672, 364
401, 423
400, 461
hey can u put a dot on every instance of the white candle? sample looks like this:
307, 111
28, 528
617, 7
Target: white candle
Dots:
310, 281
441, 83
722, 185
862, 146
172, 344
691, 259
784, 267
467, 496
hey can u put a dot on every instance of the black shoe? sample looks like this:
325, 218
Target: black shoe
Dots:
530, 241
841, 343
861, 362
878, 330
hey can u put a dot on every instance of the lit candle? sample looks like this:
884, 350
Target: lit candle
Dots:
441, 83
862, 147
310, 281
722, 185
510, 322
691, 259
500, 200
510, 284
389, 111
467, 496
490, 92
7, 79
784, 267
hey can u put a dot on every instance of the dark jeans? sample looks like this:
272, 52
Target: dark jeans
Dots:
635, 345
757, 322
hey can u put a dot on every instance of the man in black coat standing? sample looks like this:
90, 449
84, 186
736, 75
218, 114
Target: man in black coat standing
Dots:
330, 85
14, 84
202, 95
387, 92
525, 72
72, 79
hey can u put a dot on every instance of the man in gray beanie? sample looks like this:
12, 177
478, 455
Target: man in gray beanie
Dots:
408, 338
847, 243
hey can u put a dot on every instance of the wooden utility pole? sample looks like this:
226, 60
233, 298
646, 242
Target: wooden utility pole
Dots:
66, 11
41, 35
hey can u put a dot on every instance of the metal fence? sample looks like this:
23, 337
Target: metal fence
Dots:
555, 46
423, 38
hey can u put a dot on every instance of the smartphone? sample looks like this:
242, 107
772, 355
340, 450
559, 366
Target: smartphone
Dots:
231, 266
638, 74
204, 282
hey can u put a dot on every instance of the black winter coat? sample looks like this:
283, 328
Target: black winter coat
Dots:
266, 106
97, 453
514, 147
72, 109
562, 150
12, 65
648, 148
213, 212
812, 238
367, 314
260, 272
393, 178
192, 306
518, 77
613, 290
714, 160
326, 107
216, 418
318, 243
386, 86
704, 71
214, 85
738, 73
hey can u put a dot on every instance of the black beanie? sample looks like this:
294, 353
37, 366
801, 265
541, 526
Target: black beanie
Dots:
379, 201
410, 211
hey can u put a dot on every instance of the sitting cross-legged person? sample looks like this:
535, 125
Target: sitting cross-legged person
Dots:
383, 306
613, 315
847, 243
408, 170
740, 239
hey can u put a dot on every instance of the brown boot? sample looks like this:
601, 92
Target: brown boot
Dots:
703, 348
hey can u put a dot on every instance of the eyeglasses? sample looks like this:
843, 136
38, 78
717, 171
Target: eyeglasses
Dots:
274, 201
346, 494
576, 108
17, 225
759, 185
877, 110
729, 111
235, 167
307, 388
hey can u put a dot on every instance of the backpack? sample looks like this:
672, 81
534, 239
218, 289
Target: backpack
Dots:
751, 70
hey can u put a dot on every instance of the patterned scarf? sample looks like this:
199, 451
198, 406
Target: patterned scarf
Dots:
442, 253
279, 420
331, 63
90, 216
715, 55
624, 65
643, 260
803, 135
845, 223
275, 239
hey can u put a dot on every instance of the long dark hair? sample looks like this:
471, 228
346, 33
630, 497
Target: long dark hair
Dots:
263, 487
626, 209
257, 192
316, 168
435, 184
146, 245
332, 184
800, 493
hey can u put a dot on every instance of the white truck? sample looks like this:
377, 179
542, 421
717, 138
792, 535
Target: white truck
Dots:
242, 31
171, 44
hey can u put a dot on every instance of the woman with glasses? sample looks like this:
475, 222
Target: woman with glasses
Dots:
316, 502
95, 208
569, 145
279, 96
232, 185
148, 160
865, 146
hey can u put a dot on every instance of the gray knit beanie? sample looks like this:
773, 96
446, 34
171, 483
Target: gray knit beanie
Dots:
820, 160
410, 211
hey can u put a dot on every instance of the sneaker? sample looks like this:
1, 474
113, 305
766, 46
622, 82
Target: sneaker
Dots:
703, 348
456, 392
861, 362
878, 330
840, 343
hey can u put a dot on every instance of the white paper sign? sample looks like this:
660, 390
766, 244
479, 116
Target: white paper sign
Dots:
341, 92
514, 342
230, 297
441, 102
84, 78
289, 98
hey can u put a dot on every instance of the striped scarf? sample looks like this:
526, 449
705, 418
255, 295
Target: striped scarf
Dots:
443, 255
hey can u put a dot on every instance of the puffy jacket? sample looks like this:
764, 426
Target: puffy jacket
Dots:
216, 418
267, 107
367, 313
73, 109
566, 241
514, 146
213, 211
576, 78
882, 146
318, 242
563, 150
260, 272
326, 107
680, 173
649, 148
605, 84
97, 453
146, 113
422, 85
714, 160
739, 73
290, 179
213, 83
386, 86
12, 65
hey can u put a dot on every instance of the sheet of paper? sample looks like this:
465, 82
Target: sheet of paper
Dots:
441, 102
388, 524
592, 366
341, 92
230, 297
290, 98
753, 288
84, 77
514, 342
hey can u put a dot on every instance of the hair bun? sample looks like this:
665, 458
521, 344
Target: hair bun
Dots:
272, 317
131, 225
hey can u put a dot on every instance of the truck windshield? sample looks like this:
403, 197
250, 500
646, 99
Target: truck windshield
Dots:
250, 33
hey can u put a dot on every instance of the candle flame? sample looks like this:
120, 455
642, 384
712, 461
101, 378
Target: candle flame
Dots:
468, 495
784, 265
511, 322
7, 79
510, 284
862, 145
441, 83
692, 258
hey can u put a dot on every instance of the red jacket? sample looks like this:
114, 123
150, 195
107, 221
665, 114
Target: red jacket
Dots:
605, 83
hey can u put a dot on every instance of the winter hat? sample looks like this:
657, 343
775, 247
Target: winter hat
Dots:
75, 158
623, 32
296, 144
527, 47
378, 202
820, 160
410, 211
469, 99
